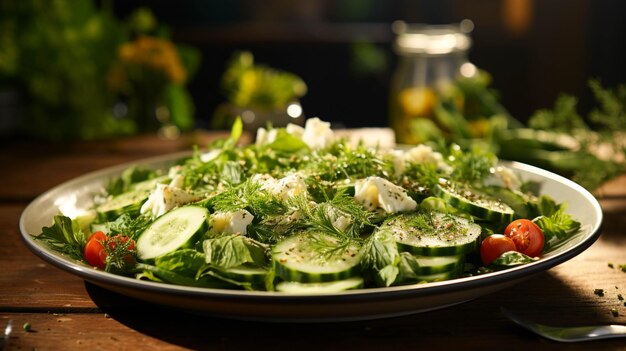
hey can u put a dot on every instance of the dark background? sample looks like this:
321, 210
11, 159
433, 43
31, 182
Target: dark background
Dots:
534, 49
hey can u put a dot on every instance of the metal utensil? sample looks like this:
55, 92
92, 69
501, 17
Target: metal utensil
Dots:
568, 334
7, 335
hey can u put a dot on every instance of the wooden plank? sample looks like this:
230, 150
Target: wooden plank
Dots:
58, 331
27, 282
131, 324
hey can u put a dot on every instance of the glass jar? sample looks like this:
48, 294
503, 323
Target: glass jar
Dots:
430, 59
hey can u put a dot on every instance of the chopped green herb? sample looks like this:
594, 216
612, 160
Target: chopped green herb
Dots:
27, 327
623, 267
614, 312
599, 292
620, 297
611, 265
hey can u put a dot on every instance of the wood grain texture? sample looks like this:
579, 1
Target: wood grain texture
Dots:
68, 314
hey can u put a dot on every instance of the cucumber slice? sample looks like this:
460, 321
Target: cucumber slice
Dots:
175, 229
148, 185
255, 275
517, 200
320, 288
438, 264
315, 257
437, 277
474, 202
434, 234
129, 202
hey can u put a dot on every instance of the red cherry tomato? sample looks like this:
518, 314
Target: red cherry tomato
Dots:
122, 240
494, 246
95, 253
129, 247
527, 235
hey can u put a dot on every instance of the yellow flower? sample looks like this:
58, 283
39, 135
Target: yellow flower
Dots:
155, 53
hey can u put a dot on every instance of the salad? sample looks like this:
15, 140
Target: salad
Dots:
303, 211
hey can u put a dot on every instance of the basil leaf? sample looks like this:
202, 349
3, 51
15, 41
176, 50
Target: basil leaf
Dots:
64, 236
233, 250
381, 257
512, 258
185, 262
287, 143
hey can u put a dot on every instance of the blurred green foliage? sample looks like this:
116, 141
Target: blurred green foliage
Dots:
263, 89
247, 84
59, 55
588, 149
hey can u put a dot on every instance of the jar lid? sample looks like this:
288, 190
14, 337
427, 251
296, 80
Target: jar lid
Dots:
432, 39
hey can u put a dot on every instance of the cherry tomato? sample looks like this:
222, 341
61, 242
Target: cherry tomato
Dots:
527, 235
122, 240
494, 246
95, 253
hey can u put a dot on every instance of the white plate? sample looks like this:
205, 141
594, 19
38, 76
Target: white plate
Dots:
76, 194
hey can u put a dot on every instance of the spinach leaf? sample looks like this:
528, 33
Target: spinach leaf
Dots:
64, 236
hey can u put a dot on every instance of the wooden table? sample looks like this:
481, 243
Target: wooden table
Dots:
68, 314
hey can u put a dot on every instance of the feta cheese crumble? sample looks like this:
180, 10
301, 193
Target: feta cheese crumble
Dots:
506, 178
166, 197
418, 155
235, 222
376, 192
284, 188
316, 134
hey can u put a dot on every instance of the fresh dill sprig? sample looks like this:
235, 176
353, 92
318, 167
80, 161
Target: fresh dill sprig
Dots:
472, 165
421, 177
329, 247
428, 223
249, 195
343, 161
341, 216
121, 253
422, 222
198, 174
126, 224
